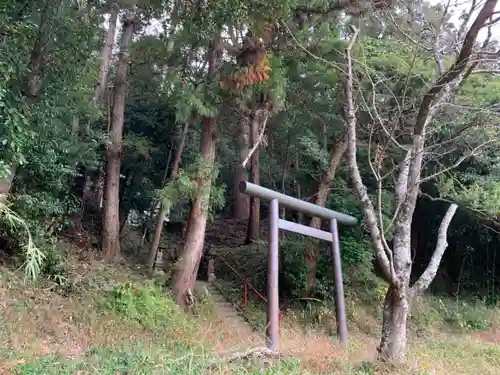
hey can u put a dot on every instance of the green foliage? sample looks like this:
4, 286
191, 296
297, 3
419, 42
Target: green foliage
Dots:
54, 265
202, 169
180, 187
185, 186
293, 266
146, 304
357, 258
181, 359
480, 194
33, 257
190, 100
462, 315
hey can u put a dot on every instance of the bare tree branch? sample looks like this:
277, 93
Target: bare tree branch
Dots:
458, 67
486, 71
457, 163
406, 35
367, 205
437, 43
263, 122
430, 272
466, 16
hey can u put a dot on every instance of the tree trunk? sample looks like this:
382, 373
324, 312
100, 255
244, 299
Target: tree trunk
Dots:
394, 325
75, 125
311, 253
164, 209
188, 263
176, 164
6, 182
242, 201
111, 222
300, 215
101, 183
129, 188
106, 54
253, 230
36, 65
157, 237
399, 296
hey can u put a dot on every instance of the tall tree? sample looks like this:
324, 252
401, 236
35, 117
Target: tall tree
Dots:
164, 209
396, 261
187, 266
111, 219
321, 197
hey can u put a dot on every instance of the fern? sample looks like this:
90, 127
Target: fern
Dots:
33, 256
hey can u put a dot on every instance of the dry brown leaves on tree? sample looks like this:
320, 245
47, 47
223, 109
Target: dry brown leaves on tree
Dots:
248, 76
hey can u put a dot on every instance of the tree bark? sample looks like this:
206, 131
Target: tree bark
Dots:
242, 201
157, 237
100, 186
300, 215
186, 269
253, 230
111, 223
106, 54
187, 265
176, 164
395, 312
397, 304
6, 182
133, 180
311, 253
164, 209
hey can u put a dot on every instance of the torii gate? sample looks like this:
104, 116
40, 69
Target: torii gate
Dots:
275, 224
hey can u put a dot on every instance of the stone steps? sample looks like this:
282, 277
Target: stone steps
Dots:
230, 314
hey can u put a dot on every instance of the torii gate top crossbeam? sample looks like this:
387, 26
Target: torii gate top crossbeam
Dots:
295, 204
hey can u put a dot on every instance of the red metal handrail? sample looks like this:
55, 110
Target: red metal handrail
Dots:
246, 283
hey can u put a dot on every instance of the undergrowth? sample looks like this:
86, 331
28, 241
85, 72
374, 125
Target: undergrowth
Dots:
453, 315
141, 361
363, 302
118, 322
147, 304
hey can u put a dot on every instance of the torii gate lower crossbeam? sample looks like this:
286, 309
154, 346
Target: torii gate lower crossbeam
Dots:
275, 224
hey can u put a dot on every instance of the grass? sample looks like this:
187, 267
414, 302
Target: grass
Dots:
446, 336
112, 320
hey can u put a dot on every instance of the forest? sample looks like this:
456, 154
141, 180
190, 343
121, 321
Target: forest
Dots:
126, 245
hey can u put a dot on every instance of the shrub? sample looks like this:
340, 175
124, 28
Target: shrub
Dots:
146, 304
